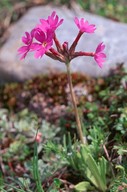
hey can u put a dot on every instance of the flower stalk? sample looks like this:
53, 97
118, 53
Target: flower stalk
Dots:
74, 44
79, 128
57, 43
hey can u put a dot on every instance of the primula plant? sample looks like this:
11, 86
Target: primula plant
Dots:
41, 39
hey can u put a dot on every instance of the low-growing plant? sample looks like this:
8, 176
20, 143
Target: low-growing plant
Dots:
83, 160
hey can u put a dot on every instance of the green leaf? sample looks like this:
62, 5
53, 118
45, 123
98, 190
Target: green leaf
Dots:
35, 170
57, 182
83, 186
102, 166
93, 169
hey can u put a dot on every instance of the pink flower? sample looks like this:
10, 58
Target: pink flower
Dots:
38, 138
99, 56
27, 40
43, 44
51, 23
84, 26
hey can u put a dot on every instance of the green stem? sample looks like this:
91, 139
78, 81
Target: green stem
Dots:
79, 128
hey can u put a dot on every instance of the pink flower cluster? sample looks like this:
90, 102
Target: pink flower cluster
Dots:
40, 40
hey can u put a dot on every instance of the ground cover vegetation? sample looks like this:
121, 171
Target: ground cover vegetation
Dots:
103, 110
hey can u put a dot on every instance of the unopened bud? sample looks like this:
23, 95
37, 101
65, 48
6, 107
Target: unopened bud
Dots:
65, 46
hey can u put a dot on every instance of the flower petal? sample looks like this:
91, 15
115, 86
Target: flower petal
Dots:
40, 36
39, 53
100, 47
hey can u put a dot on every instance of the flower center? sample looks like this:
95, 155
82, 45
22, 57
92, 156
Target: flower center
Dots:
44, 44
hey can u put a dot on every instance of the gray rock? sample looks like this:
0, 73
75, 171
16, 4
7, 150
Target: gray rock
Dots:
113, 34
